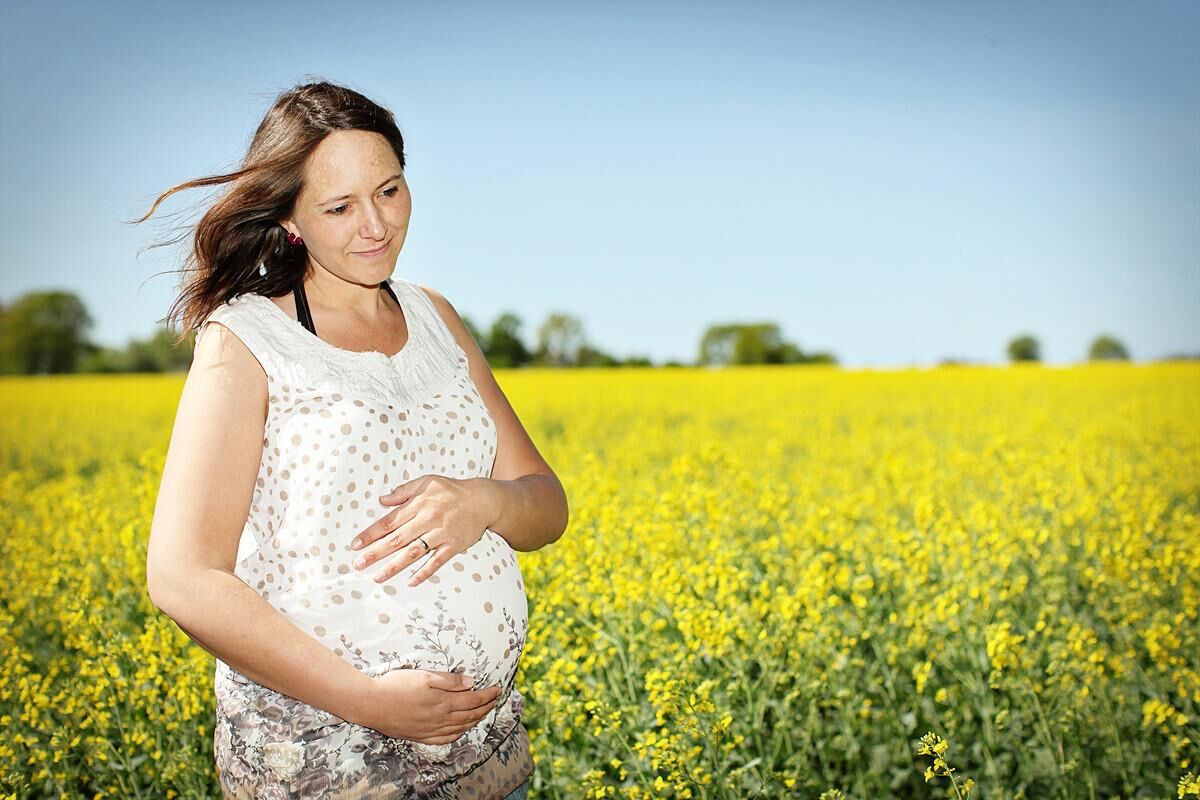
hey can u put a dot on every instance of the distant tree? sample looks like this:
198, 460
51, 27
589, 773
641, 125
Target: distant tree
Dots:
718, 345
590, 356
504, 345
158, 353
785, 353
1181, 357
1107, 348
758, 343
1024, 348
97, 358
753, 343
559, 340
43, 332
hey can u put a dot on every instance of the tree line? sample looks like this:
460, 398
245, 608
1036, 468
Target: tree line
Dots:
46, 332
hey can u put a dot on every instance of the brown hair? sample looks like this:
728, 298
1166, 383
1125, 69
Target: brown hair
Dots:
241, 229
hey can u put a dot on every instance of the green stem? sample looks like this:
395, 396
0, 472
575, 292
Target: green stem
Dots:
1112, 729
953, 783
632, 699
1052, 742
121, 732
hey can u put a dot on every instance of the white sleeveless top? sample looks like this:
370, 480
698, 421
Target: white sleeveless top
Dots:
343, 428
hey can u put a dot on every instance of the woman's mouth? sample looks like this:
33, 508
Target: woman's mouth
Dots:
372, 253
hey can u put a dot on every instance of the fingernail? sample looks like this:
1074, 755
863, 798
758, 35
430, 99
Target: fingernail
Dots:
360, 562
466, 680
354, 545
413, 582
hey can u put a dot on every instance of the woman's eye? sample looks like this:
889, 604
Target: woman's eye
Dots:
337, 211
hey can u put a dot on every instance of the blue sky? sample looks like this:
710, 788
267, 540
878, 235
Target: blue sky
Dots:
893, 182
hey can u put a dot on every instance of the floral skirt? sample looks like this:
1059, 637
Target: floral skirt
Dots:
270, 746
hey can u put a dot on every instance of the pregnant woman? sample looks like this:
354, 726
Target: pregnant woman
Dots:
346, 485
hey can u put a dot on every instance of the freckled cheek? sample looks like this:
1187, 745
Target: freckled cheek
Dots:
324, 235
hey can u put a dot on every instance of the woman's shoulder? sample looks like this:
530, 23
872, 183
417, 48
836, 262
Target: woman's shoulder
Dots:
244, 318
228, 347
240, 310
441, 312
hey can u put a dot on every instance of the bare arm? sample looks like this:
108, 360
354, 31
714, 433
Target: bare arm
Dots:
528, 511
526, 501
203, 501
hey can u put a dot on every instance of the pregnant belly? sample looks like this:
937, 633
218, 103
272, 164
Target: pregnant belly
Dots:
471, 616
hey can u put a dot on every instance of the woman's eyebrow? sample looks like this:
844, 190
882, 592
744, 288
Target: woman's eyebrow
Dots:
346, 196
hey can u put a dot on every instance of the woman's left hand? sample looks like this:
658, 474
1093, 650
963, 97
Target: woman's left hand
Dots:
448, 513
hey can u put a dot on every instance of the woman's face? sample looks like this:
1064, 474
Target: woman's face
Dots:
354, 199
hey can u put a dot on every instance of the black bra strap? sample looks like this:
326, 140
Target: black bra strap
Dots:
302, 311
305, 315
387, 285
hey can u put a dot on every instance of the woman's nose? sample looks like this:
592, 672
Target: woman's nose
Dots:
373, 226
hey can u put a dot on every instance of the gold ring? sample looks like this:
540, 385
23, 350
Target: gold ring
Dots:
422, 541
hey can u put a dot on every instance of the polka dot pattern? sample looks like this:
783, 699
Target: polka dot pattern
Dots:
343, 429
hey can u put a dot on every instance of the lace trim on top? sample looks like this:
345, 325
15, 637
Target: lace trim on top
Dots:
292, 356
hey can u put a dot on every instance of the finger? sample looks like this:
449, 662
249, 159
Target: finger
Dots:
440, 556
388, 544
412, 552
476, 718
470, 716
458, 728
451, 707
401, 494
467, 701
379, 529
448, 681
373, 532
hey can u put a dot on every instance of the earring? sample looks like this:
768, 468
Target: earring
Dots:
294, 240
262, 269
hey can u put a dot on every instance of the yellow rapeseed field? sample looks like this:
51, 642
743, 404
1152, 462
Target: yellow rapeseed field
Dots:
777, 582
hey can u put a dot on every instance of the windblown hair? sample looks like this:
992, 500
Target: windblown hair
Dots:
241, 228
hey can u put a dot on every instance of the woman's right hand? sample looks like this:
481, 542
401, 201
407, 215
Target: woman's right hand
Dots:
426, 706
